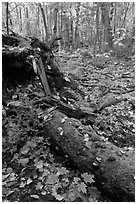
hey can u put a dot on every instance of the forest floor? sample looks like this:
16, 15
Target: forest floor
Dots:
32, 170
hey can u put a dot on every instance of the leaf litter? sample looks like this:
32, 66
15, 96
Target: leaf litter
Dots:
32, 169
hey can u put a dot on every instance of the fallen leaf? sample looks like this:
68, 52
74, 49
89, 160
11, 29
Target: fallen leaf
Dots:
31, 144
82, 188
53, 178
25, 150
22, 184
62, 171
29, 181
12, 177
76, 180
46, 117
34, 196
88, 178
54, 192
39, 164
86, 139
88, 144
23, 161
99, 159
43, 193
64, 119
59, 129
66, 79
45, 172
9, 170
61, 133
58, 197
39, 186
71, 196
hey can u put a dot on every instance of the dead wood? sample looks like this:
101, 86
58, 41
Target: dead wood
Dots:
113, 168
77, 112
111, 101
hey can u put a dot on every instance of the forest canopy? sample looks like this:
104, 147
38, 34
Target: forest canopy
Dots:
103, 26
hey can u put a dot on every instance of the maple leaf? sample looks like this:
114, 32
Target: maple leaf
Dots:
82, 187
88, 178
53, 178
76, 180
62, 171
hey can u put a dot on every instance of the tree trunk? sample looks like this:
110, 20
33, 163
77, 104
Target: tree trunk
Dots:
106, 23
97, 28
125, 14
7, 17
76, 27
71, 32
55, 16
45, 24
28, 31
113, 168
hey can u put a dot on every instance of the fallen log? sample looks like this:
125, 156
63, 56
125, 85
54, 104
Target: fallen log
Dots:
113, 168
113, 101
77, 112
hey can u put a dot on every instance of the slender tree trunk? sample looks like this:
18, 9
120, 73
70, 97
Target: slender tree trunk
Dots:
61, 28
114, 20
76, 27
7, 17
71, 32
28, 31
45, 24
55, 16
97, 28
125, 15
107, 26
20, 19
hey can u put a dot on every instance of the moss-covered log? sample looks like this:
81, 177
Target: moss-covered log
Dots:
112, 167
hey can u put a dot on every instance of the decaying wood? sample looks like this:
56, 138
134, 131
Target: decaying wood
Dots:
113, 168
113, 101
69, 110
43, 77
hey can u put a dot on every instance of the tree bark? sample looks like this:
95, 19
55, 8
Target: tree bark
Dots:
55, 16
7, 17
113, 168
106, 23
97, 29
44, 21
76, 27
